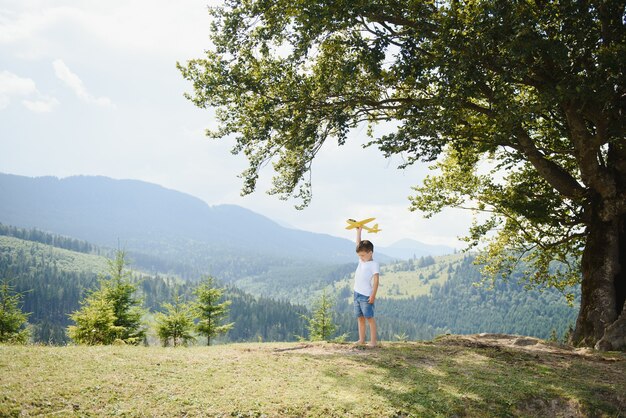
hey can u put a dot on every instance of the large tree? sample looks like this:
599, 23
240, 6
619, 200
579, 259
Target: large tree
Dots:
520, 105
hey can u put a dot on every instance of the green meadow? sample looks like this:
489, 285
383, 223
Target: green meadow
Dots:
460, 376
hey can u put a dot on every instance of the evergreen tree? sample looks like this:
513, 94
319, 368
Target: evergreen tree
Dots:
321, 326
176, 324
13, 322
127, 308
209, 309
111, 312
95, 321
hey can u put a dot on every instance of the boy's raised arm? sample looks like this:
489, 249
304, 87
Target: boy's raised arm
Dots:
358, 235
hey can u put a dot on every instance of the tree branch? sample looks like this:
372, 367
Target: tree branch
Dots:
587, 147
400, 21
554, 174
392, 34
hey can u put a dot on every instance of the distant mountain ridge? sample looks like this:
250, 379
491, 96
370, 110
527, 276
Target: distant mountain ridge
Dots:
172, 226
139, 214
407, 248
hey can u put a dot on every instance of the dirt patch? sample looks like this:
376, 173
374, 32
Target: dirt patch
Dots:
324, 348
531, 345
559, 407
521, 343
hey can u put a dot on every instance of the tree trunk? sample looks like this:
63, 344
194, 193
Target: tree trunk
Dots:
601, 322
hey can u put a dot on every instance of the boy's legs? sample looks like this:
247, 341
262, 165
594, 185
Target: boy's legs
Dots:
359, 304
372, 323
361, 321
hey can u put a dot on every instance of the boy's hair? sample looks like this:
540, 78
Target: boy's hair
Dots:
366, 246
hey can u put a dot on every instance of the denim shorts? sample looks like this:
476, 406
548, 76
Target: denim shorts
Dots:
362, 307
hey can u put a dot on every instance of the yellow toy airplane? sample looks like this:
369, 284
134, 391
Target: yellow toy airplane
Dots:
355, 224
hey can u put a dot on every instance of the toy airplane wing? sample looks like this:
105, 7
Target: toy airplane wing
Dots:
355, 224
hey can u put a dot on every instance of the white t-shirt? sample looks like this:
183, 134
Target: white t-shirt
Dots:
363, 276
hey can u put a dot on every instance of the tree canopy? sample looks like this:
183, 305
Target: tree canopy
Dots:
519, 107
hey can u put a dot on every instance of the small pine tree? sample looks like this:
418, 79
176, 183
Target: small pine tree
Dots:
320, 325
111, 312
95, 321
209, 311
127, 308
14, 327
176, 324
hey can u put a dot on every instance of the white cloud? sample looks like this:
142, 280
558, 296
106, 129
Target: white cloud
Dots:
159, 27
15, 26
12, 85
43, 105
28, 26
74, 82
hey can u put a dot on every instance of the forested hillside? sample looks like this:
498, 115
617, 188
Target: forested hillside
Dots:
425, 297
53, 281
418, 299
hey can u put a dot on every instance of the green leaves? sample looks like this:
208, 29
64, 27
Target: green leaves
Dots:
520, 219
284, 83
534, 88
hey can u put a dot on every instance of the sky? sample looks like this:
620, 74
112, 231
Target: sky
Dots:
91, 88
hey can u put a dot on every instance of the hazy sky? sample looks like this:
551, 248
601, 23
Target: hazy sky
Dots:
92, 88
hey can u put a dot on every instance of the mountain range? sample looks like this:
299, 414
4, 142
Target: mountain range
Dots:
152, 220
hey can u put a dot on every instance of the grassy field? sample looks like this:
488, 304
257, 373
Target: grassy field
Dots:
452, 376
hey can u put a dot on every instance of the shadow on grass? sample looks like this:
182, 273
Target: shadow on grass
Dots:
455, 380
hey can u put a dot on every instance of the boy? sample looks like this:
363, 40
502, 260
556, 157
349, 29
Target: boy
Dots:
365, 288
